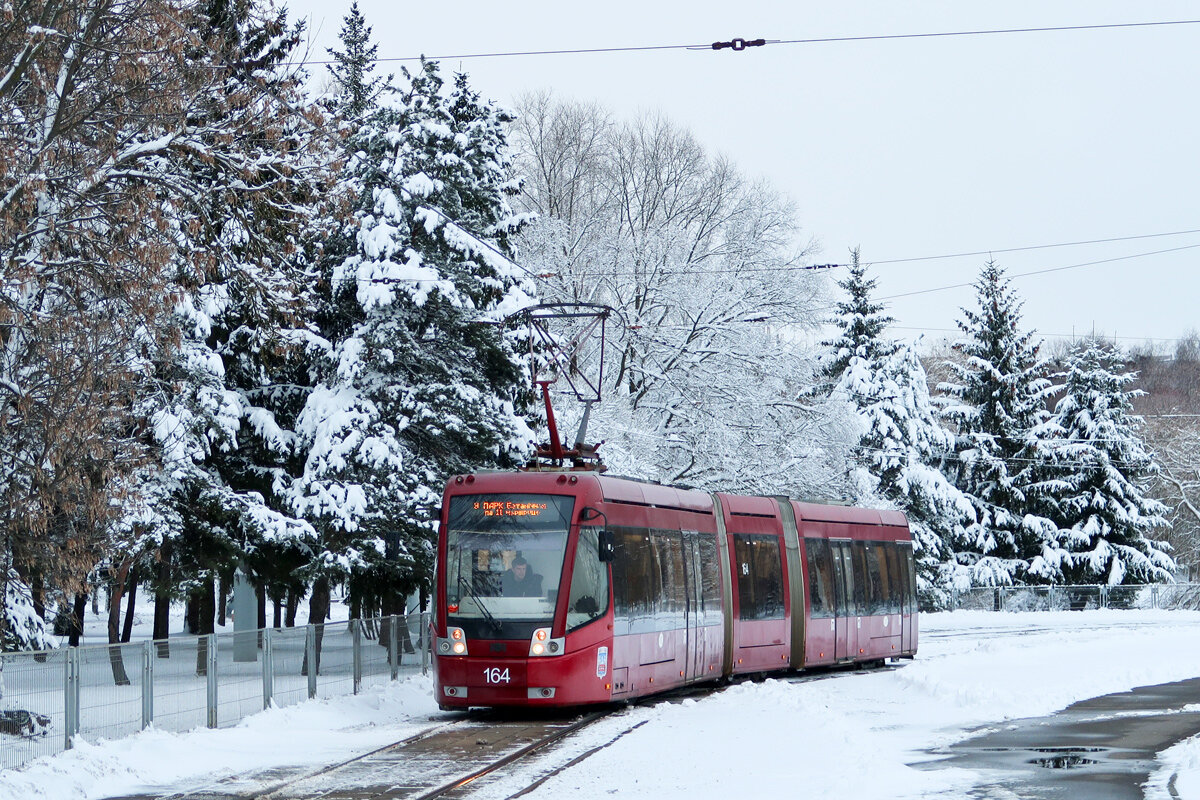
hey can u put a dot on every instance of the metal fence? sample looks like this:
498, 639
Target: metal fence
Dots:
107, 691
1077, 598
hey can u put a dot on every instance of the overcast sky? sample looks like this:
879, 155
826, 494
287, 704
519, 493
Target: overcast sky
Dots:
906, 148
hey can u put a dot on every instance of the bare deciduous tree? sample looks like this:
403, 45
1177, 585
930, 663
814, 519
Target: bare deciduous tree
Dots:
709, 366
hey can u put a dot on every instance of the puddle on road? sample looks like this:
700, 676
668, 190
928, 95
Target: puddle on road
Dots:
1062, 762
1064, 757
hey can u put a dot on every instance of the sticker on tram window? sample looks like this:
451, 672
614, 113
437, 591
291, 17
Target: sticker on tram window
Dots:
601, 662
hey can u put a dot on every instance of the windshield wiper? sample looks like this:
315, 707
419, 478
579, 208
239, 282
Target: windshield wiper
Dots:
487, 614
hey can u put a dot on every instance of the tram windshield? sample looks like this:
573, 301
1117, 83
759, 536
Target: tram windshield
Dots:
504, 558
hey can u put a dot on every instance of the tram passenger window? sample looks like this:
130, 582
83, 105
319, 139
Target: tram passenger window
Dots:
895, 579
589, 581
672, 599
759, 576
710, 575
858, 558
876, 600
820, 579
635, 580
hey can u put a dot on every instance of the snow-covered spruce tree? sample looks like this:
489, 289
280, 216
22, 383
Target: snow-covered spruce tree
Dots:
1095, 467
221, 397
903, 444
356, 91
419, 381
996, 402
860, 322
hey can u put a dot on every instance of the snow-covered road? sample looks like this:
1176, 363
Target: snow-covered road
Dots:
852, 736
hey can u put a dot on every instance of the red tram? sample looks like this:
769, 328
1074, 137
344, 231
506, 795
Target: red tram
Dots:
570, 588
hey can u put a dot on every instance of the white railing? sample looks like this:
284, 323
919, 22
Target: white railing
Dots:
1078, 598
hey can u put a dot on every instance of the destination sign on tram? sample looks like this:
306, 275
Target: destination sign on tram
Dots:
509, 508
510, 512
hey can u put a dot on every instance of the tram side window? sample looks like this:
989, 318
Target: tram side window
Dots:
589, 581
876, 596
635, 580
710, 575
672, 599
820, 579
896, 581
759, 576
858, 558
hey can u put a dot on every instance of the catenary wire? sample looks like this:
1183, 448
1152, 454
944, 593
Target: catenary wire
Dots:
814, 40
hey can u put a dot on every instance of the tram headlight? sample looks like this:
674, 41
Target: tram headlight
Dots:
540, 644
455, 643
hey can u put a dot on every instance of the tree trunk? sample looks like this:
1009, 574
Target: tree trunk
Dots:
261, 595
206, 612
76, 622
293, 603
37, 588
116, 592
318, 610
222, 600
162, 607
277, 616
191, 615
127, 629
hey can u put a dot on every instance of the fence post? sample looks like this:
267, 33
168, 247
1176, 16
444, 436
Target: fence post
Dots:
1104, 597
310, 652
211, 645
394, 647
70, 698
268, 667
356, 641
1154, 597
426, 648
147, 684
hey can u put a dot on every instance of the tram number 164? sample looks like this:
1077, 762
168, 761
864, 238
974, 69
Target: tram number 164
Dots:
496, 675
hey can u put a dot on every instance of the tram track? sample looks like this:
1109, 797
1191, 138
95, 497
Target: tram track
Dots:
415, 768
455, 758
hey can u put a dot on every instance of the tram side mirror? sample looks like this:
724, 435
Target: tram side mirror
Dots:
608, 547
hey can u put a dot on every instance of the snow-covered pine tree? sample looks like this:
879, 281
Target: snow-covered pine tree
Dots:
860, 322
221, 397
903, 443
1096, 466
419, 381
996, 402
356, 91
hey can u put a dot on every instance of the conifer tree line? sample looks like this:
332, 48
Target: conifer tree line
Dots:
1016, 470
251, 319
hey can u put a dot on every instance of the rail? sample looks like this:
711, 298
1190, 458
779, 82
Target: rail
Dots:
1170, 596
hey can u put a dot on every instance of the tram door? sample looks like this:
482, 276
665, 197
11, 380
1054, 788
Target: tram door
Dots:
907, 605
693, 609
843, 584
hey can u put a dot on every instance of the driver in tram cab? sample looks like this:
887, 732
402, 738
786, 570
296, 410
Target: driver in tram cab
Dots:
520, 581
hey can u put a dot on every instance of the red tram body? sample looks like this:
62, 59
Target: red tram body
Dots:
635, 588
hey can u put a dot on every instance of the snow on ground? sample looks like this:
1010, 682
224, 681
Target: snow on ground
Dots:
852, 735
